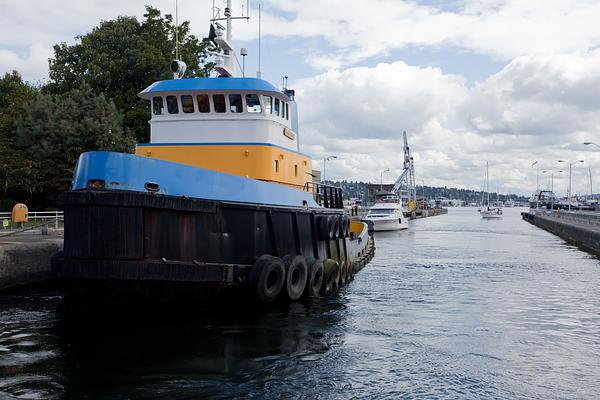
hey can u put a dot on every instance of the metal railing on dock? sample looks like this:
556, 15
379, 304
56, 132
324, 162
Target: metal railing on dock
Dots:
36, 218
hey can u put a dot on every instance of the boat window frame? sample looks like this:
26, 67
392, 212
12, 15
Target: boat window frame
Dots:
176, 104
208, 103
192, 103
263, 97
248, 109
225, 101
162, 105
276, 106
241, 108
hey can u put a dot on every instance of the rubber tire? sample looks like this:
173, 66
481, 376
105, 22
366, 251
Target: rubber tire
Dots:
295, 266
316, 276
344, 274
265, 289
330, 283
343, 226
334, 227
350, 275
323, 227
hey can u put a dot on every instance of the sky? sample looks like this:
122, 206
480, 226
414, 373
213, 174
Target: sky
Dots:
508, 82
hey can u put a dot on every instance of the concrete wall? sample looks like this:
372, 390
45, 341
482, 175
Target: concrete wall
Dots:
23, 263
586, 237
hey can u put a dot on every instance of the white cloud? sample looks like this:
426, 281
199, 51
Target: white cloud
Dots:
536, 108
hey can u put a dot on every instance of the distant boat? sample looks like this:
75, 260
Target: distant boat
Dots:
487, 211
386, 214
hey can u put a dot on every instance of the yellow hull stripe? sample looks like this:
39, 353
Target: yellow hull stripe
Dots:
262, 162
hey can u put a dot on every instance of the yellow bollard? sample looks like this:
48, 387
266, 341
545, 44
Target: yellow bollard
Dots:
20, 213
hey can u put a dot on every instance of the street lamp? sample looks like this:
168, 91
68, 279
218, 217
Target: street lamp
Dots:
325, 164
537, 177
552, 177
570, 166
591, 144
381, 180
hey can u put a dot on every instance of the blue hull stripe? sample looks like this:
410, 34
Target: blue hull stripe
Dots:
222, 144
121, 171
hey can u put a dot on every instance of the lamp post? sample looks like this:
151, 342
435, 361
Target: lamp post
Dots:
537, 177
552, 178
381, 178
591, 144
570, 167
325, 165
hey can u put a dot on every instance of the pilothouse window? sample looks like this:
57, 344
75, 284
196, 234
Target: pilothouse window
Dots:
253, 103
276, 109
187, 104
157, 105
172, 105
219, 103
287, 110
203, 104
235, 103
268, 102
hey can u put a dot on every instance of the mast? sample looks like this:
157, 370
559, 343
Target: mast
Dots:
487, 182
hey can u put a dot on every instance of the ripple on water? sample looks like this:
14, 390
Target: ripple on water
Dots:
455, 308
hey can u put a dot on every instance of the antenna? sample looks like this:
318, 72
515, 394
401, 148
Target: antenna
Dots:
258, 72
177, 29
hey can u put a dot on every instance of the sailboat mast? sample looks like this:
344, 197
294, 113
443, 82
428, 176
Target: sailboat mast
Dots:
487, 182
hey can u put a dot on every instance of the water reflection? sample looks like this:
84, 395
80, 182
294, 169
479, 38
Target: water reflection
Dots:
455, 307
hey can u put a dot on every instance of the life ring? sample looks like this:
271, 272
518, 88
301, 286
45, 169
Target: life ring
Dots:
267, 278
296, 273
315, 277
330, 282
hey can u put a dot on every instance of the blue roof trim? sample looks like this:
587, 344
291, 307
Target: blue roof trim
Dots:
199, 84
224, 144
121, 171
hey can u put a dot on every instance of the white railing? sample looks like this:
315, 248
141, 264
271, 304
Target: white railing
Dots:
41, 218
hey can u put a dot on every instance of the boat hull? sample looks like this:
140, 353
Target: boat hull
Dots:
379, 225
132, 247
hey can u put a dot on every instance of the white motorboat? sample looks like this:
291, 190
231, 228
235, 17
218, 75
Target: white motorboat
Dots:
386, 214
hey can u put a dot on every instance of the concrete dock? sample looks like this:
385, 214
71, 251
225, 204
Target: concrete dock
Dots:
25, 257
579, 228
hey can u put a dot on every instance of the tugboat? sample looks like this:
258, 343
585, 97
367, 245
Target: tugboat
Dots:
219, 203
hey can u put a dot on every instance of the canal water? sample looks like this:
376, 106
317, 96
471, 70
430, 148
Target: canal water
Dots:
456, 307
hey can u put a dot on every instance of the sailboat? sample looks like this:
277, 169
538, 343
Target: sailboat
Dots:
486, 211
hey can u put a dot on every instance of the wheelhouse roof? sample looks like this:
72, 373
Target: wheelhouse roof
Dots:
213, 84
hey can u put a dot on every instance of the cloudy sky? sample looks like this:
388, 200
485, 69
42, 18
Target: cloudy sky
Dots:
510, 82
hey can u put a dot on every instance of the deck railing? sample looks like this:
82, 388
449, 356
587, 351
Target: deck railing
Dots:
325, 195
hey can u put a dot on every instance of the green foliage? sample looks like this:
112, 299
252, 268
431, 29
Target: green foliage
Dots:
56, 129
90, 102
16, 171
121, 57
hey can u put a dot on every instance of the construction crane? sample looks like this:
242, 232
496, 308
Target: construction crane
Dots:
404, 186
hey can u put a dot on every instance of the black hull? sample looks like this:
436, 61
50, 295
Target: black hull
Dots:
140, 247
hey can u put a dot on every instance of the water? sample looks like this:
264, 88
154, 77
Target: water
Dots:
456, 307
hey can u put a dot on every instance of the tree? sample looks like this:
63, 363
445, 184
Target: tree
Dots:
15, 169
121, 57
55, 129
